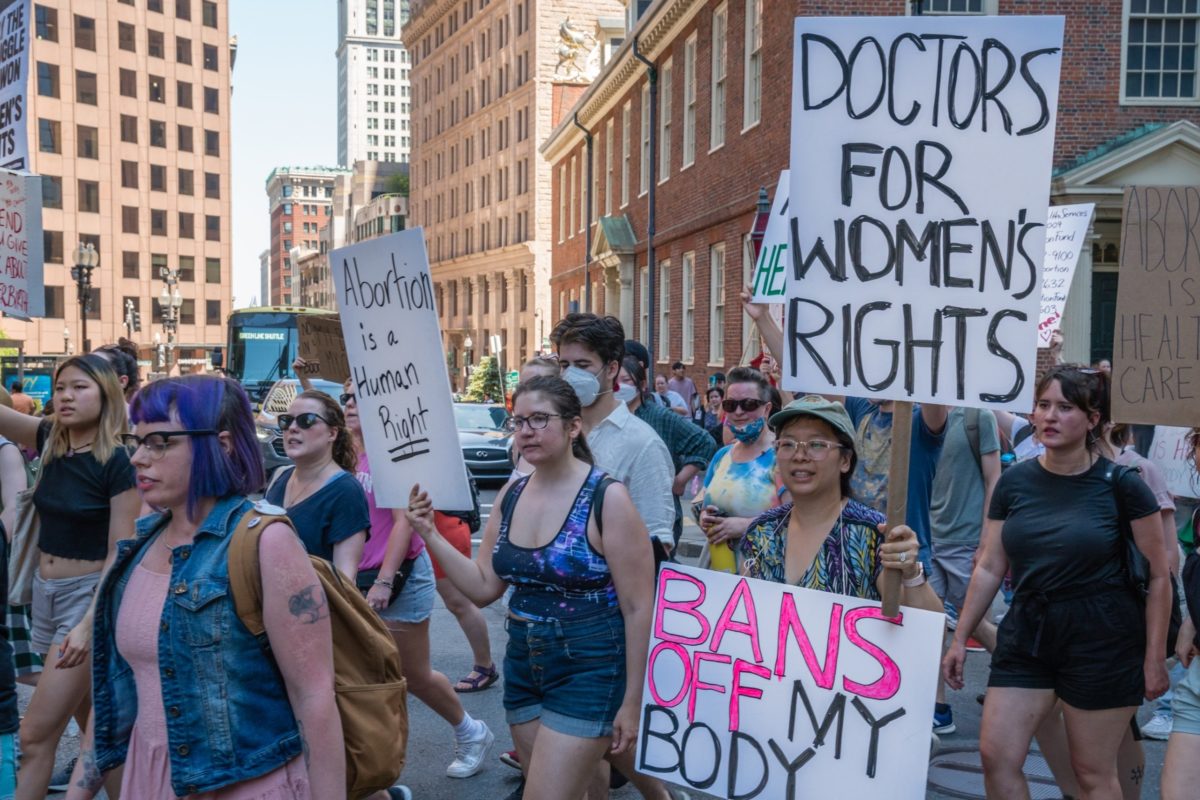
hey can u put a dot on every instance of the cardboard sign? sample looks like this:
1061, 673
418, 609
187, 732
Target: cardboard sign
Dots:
1156, 339
1170, 452
1066, 228
397, 366
14, 71
322, 346
758, 689
21, 285
920, 164
770, 271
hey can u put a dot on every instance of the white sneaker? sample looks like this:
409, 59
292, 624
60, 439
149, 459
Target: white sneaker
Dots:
469, 755
1159, 726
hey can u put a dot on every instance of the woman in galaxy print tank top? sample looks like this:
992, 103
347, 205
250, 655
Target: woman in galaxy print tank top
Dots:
579, 617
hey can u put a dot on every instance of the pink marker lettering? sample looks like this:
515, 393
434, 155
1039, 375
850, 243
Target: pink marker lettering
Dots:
726, 622
738, 690
682, 655
697, 684
789, 621
681, 606
889, 683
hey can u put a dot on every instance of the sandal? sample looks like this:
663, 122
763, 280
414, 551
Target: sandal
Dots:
480, 678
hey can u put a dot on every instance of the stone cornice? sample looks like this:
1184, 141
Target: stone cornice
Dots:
423, 18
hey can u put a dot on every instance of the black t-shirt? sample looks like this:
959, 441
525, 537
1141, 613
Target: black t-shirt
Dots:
1063, 530
73, 500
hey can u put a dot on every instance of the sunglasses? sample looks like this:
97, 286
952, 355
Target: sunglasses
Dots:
749, 404
347, 398
304, 421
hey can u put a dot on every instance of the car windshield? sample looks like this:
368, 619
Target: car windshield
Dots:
476, 417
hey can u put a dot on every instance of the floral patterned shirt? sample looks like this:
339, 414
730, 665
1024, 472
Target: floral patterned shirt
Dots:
847, 563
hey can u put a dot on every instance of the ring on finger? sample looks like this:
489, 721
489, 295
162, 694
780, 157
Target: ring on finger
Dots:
904, 557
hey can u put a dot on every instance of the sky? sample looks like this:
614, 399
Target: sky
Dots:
284, 113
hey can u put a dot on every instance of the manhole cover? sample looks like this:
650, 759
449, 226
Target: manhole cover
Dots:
958, 772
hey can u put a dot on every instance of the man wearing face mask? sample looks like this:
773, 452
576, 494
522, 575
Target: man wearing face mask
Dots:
590, 349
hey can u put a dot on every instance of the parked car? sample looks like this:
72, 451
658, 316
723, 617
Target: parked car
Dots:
276, 402
484, 442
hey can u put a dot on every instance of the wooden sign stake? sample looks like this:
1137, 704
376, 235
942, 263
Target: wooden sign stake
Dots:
897, 502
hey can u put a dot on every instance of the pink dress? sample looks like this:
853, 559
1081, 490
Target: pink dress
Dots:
148, 765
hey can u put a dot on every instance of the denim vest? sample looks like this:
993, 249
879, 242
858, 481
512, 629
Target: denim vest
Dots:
227, 710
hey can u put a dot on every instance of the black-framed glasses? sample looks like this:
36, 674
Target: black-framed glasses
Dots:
158, 442
749, 404
304, 421
348, 397
536, 422
815, 449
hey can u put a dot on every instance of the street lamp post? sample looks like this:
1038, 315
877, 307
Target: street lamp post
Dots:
170, 302
86, 260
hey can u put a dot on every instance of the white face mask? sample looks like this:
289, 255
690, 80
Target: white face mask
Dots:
585, 384
626, 392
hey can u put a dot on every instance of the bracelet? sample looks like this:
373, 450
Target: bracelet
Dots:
382, 582
917, 580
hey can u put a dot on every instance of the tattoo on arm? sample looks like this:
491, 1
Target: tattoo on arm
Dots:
92, 780
308, 605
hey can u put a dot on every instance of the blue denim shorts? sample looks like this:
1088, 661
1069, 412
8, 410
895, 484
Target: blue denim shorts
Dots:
415, 602
568, 673
1186, 705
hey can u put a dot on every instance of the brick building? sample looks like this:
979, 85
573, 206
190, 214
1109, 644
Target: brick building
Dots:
300, 200
724, 71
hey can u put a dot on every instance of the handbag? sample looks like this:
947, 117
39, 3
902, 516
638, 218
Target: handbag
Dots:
22, 550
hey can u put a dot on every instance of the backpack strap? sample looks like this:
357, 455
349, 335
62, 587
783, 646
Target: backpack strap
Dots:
1022, 435
598, 502
1113, 475
245, 572
971, 423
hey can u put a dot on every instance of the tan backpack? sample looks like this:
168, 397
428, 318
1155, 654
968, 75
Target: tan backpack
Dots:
370, 688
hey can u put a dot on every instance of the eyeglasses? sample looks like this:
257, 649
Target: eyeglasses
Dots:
348, 398
157, 442
816, 450
749, 404
304, 421
536, 422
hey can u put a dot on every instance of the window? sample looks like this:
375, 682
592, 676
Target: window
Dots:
716, 304
131, 263
127, 81
212, 228
212, 270
212, 312
85, 87
52, 246
183, 135
958, 7
158, 222
126, 37
187, 225
129, 174
720, 29
187, 269
689, 101
55, 307
51, 192
154, 44
85, 33
129, 224
626, 112
186, 183
664, 122
47, 23
154, 5
644, 164
563, 219
212, 143
183, 50
158, 133
664, 311
183, 9
183, 94
1161, 50
158, 88
752, 93
689, 306
212, 185
158, 262
208, 13
210, 56
212, 100
47, 77
571, 192
87, 140
187, 312
608, 168
49, 136
644, 303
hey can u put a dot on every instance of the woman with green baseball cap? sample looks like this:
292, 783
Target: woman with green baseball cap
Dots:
824, 539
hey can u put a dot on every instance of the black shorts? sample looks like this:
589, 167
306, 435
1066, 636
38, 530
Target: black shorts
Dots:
1089, 650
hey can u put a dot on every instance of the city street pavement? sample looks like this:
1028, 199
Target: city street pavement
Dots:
430, 744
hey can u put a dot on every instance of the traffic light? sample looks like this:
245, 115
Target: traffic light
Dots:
136, 318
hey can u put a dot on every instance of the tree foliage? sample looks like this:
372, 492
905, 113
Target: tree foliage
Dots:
485, 381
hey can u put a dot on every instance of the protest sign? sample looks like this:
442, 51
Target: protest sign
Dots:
1066, 227
920, 166
771, 268
322, 346
758, 689
1170, 453
398, 370
1156, 339
21, 286
14, 101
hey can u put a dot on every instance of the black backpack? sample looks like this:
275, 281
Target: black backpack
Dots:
472, 516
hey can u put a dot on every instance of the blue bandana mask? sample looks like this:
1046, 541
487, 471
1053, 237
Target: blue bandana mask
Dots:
749, 433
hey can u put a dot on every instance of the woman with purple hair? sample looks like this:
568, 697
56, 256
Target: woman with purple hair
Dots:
185, 697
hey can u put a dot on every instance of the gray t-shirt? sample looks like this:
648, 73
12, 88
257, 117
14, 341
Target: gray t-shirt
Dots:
956, 510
